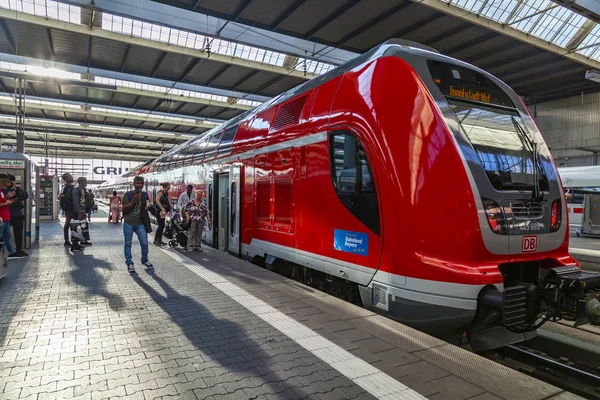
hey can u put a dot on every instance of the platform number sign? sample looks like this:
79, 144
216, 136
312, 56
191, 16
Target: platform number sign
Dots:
529, 243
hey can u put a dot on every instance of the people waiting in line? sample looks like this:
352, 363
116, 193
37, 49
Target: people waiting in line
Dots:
135, 206
5, 203
185, 198
17, 217
162, 209
196, 213
115, 204
66, 204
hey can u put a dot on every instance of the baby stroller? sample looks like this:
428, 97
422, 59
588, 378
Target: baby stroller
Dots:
175, 231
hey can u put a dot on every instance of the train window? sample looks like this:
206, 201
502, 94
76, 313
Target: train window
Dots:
352, 178
227, 140
210, 198
211, 146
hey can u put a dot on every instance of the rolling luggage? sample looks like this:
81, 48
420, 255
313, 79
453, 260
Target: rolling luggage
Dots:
80, 231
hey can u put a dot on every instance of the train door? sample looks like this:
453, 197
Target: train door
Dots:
235, 193
221, 210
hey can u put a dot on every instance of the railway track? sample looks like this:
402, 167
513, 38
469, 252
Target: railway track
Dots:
576, 376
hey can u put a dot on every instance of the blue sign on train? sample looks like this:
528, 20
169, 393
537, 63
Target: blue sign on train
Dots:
351, 242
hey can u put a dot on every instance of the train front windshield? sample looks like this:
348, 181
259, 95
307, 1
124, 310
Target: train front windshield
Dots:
502, 146
495, 129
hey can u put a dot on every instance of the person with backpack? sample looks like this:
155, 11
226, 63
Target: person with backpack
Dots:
17, 218
136, 220
162, 208
66, 204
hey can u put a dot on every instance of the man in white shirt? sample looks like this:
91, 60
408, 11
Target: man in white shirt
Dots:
184, 199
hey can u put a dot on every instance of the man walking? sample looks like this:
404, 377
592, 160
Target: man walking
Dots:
184, 199
66, 204
5, 203
135, 203
17, 218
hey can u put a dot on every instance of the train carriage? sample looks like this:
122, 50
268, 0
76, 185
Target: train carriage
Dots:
412, 183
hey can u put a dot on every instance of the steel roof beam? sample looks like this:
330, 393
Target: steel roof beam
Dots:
95, 32
87, 109
81, 146
204, 24
96, 128
122, 89
79, 136
508, 31
62, 153
130, 77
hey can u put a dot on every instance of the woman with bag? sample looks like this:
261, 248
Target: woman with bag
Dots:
162, 208
196, 213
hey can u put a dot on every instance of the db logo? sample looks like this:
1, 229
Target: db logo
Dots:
529, 243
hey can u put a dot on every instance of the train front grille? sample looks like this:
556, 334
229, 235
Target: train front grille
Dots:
515, 304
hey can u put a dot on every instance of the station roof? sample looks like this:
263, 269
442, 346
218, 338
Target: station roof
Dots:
129, 79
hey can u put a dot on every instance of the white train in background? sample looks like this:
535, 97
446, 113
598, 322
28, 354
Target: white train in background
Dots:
577, 181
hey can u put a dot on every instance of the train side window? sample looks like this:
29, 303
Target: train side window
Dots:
210, 198
353, 180
227, 141
211, 146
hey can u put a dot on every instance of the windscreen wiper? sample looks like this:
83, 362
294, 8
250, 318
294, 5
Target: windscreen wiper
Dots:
536, 194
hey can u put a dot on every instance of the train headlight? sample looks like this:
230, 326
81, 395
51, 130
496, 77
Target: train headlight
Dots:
555, 218
495, 216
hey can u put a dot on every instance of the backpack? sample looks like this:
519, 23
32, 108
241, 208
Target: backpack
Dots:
66, 200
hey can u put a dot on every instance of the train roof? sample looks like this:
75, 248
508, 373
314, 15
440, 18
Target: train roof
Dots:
580, 177
374, 53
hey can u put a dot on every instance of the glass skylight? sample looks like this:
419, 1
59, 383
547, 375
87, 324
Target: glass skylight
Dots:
191, 40
543, 19
45, 8
590, 46
41, 71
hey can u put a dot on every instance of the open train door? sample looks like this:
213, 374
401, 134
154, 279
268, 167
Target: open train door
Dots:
221, 209
234, 210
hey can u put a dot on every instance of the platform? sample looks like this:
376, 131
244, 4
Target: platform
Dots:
207, 326
586, 250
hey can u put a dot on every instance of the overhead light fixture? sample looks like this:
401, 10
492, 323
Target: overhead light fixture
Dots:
593, 75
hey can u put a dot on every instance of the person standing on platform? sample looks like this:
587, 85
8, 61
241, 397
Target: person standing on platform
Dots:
135, 203
66, 204
196, 214
5, 203
164, 207
115, 203
89, 204
79, 206
17, 218
184, 199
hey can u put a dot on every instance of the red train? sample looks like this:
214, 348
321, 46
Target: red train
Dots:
412, 183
